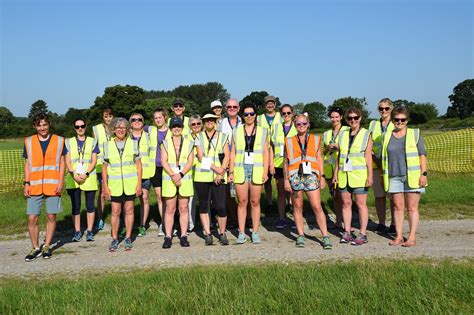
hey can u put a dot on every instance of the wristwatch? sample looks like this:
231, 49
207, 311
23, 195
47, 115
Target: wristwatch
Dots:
26, 182
425, 173
87, 174
181, 173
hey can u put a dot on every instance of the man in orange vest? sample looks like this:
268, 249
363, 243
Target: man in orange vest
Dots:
44, 179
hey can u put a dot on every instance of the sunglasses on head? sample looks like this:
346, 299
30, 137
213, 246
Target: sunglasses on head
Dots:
196, 124
398, 120
381, 109
286, 113
249, 114
232, 107
136, 119
80, 126
178, 105
300, 124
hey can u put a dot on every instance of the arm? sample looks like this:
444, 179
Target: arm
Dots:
26, 187
423, 168
62, 168
189, 164
336, 170
368, 160
105, 186
138, 190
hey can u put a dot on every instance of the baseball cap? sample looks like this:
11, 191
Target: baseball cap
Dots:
270, 98
175, 121
178, 101
216, 103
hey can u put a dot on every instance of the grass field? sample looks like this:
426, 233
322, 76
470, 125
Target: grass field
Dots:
360, 286
11, 144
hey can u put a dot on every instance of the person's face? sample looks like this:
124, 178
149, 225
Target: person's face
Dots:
287, 114
302, 124
107, 118
178, 109
270, 106
385, 110
137, 122
42, 128
232, 108
217, 110
80, 127
196, 126
120, 131
159, 119
400, 121
176, 130
210, 124
353, 120
335, 118
249, 116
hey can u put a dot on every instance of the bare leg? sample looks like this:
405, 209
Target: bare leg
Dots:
314, 197
297, 199
183, 214
361, 201
346, 198
243, 196
169, 215
50, 228
33, 230
115, 219
76, 219
144, 206
90, 220
128, 210
255, 193
399, 205
413, 200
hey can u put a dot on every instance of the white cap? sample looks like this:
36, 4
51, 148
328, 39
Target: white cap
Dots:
216, 103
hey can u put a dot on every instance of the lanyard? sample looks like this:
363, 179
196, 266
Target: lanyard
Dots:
248, 138
209, 142
334, 136
178, 153
236, 124
303, 146
120, 151
81, 150
351, 142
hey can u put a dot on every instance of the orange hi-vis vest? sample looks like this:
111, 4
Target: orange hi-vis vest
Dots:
294, 154
44, 169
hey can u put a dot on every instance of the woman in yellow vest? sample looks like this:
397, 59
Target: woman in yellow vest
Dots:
249, 161
353, 173
177, 157
81, 158
210, 177
304, 172
330, 145
404, 173
195, 125
121, 178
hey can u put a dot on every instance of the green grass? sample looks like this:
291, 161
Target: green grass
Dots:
11, 144
361, 286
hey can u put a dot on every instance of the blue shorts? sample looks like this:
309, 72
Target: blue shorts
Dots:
146, 184
399, 184
35, 203
248, 170
355, 191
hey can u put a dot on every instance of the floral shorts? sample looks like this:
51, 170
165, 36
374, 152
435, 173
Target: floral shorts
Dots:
305, 182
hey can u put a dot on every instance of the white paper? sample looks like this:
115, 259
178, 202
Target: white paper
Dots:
306, 168
176, 170
347, 165
206, 163
81, 168
248, 158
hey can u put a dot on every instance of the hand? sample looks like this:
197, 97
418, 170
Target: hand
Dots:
178, 183
83, 177
59, 189
323, 182
423, 181
333, 147
26, 190
369, 181
176, 177
77, 179
217, 180
219, 170
264, 176
106, 193
138, 191
272, 170
230, 178
287, 185
334, 180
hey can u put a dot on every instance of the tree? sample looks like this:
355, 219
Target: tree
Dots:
257, 98
37, 107
298, 108
72, 114
420, 113
317, 114
347, 102
6, 116
147, 108
462, 100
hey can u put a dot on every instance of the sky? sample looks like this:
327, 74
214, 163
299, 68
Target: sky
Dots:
67, 52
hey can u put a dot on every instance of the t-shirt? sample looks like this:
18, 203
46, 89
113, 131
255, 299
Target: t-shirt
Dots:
227, 128
44, 147
161, 137
269, 119
397, 165
286, 129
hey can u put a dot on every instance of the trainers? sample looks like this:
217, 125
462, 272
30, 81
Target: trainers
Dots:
34, 253
89, 236
167, 243
141, 231
223, 239
346, 238
160, 231
281, 224
381, 228
47, 252
327, 243
100, 224
242, 238
391, 230
300, 241
114, 246
77, 236
208, 240
361, 239
183, 241
256, 238
127, 244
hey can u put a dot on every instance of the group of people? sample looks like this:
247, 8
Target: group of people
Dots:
219, 164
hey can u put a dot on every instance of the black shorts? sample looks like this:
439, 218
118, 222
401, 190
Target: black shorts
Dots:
157, 179
123, 198
278, 173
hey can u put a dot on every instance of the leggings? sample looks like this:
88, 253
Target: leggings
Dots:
75, 195
217, 196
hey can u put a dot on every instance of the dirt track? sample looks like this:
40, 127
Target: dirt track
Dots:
436, 239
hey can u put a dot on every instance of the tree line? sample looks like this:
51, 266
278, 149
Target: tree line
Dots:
127, 99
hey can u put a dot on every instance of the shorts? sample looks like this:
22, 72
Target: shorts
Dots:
379, 191
157, 179
35, 203
355, 191
278, 173
399, 184
122, 198
248, 170
305, 182
146, 184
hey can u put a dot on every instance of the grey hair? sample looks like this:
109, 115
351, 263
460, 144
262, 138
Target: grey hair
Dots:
194, 117
119, 121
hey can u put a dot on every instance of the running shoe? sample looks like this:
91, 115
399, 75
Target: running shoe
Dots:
242, 238
346, 238
34, 253
208, 240
122, 232
100, 225
256, 238
114, 246
391, 230
281, 224
89, 236
77, 236
160, 231
183, 241
361, 239
141, 231
327, 243
127, 244
223, 239
167, 243
47, 252
300, 241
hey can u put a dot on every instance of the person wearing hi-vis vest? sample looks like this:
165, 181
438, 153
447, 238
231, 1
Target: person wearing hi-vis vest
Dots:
404, 173
195, 125
43, 182
249, 160
210, 177
177, 157
378, 129
353, 174
81, 157
121, 179
279, 133
330, 149
102, 135
148, 167
304, 172
269, 120
178, 109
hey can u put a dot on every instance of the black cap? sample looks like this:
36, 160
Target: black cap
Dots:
175, 121
178, 101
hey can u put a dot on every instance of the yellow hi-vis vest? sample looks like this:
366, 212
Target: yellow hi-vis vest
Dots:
262, 122
83, 156
186, 129
356, 178
257, 170
208, 150
148, 165
378, 135
278, 142
331, 157
411, 155
100, 135
168, 188
121, 169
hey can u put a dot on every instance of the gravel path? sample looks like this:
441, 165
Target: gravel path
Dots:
436, 239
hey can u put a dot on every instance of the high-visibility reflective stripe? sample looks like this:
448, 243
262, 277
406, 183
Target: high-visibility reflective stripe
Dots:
84, 161
44, 168
198, 169
122, 164
185, 177
44, 181
360, 154
29, 152
413, 168
365, 140
412, 154
359, 167
124, 176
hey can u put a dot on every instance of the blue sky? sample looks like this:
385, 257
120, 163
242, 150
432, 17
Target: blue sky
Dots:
68, 52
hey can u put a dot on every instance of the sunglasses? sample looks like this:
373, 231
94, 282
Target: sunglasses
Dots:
286, 113
300, 124
381, 109
232, 107
351, 118
120, 128
136, 119
398, 120
249, 114
195, 124
80, 127
178, 106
